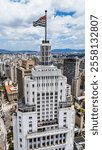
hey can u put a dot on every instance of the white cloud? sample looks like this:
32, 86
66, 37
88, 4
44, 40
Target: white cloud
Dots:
16, 24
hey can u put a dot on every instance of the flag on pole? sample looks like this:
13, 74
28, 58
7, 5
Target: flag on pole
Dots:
40, 22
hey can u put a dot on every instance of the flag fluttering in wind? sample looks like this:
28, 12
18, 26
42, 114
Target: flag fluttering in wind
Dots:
40, 22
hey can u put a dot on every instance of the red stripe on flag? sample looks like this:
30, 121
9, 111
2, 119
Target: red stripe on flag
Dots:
42, 18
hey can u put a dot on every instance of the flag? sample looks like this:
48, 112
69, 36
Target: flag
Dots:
40, 22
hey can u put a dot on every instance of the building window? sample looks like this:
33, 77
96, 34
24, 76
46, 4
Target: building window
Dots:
30, 130
20, 140
47, 93
30, 140
56, 93
38, 94
43, 144
43, 94
64, 120
38, 145
51, 93
48, 143
20, 145
61, 83
30, 125
51, 136
60, 135
27, 92
34, 145
19, 117
32, 85
43, 138
30, 146
56, 97
27, 85
20, 130
33, 93
38, 106
33, 99
65, 113
30, 117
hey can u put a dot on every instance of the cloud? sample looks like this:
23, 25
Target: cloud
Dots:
65, 30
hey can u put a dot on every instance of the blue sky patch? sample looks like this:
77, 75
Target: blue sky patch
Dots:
62, 13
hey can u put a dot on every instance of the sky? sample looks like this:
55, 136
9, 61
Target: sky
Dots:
65, 22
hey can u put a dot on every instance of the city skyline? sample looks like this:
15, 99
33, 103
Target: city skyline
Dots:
65, 24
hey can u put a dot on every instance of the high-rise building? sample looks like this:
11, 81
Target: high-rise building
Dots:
22, 71
13, 73
1, 69
76, 80
45, 118
69, 69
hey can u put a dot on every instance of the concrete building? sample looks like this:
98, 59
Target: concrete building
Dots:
22, 71
3, 135
79, 143
76, 80
71, 71
11, 91
80, 113
45, 118
13, 73
1, 69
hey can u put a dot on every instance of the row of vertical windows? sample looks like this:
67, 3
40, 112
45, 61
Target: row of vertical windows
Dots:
50, 140
47, 93
28, 92
47, 77
32, 85
47, 84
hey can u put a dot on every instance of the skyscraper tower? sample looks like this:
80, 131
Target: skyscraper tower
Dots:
45, 117
45, 48
76, 80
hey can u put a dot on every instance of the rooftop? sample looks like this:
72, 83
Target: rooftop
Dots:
10, 89
26, 108
52, 132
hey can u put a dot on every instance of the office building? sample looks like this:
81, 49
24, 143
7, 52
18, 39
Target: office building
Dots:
69, 68
45, 117
22, 71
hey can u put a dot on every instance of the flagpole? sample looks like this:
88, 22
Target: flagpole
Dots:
46, 26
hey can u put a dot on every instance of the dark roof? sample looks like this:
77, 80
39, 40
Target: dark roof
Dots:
79, 139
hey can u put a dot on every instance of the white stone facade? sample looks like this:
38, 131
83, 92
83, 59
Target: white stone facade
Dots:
45, 121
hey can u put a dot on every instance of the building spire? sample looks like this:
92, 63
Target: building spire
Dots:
45, 25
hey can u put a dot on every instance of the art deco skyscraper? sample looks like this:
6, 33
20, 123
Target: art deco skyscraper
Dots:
45, 118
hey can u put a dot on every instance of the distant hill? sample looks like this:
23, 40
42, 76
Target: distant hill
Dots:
67, 50
2, 51
54, 51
